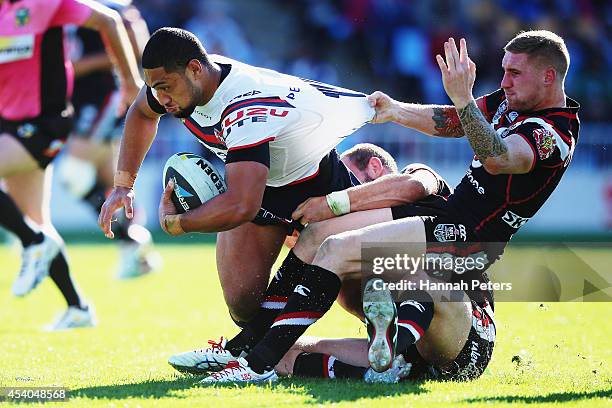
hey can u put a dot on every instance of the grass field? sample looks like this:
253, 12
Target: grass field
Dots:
564, 348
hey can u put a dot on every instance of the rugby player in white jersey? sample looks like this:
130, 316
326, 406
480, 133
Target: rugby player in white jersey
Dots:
276, 134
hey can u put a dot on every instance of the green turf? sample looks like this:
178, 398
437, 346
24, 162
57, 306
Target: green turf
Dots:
565, 350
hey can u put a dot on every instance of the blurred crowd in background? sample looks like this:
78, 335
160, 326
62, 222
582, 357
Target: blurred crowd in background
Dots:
390, 45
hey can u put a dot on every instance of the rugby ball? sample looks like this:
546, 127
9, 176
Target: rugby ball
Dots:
196, 180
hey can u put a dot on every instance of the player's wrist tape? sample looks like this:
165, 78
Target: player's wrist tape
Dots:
124, 179
173, 224
339, 202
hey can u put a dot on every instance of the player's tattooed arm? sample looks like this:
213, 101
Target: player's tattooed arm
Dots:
484, 140
446, 122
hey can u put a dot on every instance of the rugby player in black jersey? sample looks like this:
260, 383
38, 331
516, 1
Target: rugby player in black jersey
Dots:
523, 137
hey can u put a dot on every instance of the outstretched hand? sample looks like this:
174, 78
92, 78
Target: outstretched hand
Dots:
118, 198
458, 72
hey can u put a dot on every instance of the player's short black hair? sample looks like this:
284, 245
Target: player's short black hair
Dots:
361, 153
544, 45
172, 48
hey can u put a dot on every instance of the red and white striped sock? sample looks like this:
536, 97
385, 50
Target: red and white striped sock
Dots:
310, 300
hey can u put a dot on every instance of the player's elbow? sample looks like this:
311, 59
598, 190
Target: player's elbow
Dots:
244, 211
413, 190
105, 20
493, 167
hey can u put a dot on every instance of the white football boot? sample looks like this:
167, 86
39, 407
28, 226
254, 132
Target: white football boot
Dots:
238, 371
35, 262
74, 318
136, 260
137, 256
213, 358
381, 322
399, 369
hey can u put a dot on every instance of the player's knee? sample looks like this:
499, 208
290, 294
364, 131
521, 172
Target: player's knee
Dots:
311, 237
243, 303
333, 254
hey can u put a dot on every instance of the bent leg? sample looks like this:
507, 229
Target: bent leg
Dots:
447, 333
349, 351
342, 253
314, 234
245, 256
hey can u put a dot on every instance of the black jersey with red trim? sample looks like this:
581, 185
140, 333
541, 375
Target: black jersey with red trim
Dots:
496, 206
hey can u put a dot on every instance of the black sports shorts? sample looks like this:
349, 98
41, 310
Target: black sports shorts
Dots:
449, 234
473, 357
96, 118
279, 202
43, 137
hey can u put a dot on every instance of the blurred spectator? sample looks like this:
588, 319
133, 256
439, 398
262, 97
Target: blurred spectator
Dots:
219, 32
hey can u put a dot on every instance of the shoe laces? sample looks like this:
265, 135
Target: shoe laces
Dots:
232, 367
216, 347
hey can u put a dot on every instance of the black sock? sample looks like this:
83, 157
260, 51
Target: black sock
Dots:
309, 301
413, 319
121, 226
59, 272
96, 196
12, 219
321, 365
286, 278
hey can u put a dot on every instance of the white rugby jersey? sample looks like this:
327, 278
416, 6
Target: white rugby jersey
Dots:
302, 120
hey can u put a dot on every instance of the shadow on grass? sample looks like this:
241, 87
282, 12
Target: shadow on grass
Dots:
320, 391
540, 399
146, 389
331, 391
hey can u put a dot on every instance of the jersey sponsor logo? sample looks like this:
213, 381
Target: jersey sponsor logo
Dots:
27, 130
500, 111
476, 163
15, 48
545, 143
251, 93
450, 232
302, 290
513, 220
480, 189
22, 17
250, 115
512, 116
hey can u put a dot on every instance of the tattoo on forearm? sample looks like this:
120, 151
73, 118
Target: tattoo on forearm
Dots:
447, 122
483, 138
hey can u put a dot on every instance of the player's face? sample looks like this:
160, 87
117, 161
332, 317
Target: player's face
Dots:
523, 82
175, 91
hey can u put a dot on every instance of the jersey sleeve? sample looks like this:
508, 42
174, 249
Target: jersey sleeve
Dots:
70, 12
492, 103
442, 189
154, 103
259, 153
550, 147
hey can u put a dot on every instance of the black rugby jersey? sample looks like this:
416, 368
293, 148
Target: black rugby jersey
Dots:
496, 206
